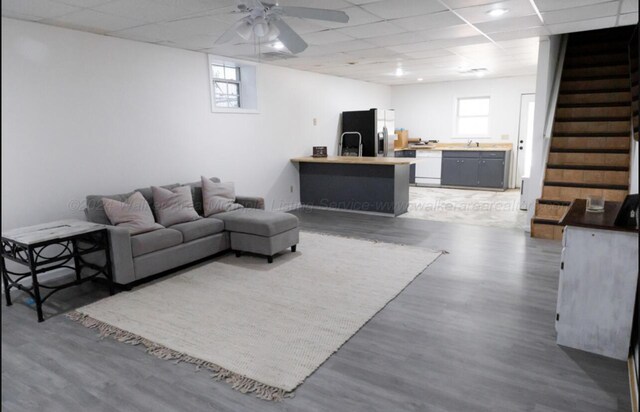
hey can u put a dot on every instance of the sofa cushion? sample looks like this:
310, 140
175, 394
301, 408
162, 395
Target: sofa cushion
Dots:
157, 240
173, 206
257, 221
148, 193
196, 194
95, 207
199, 228
218, 197
134, 214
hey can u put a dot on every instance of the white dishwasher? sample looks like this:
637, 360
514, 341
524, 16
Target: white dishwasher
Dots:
428, 167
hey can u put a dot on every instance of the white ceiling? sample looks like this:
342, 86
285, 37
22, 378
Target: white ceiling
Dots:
432, 40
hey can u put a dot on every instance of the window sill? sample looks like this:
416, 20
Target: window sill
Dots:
235, 111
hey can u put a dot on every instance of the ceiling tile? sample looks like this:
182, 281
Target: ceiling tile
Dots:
584, 25
628, 19
371, 30
326, 37
547, 5
629, 6
458, 4
37, 8
479, 14
428, 21
93, 21
582, 13
82, 3
517, 23
357, 16
150, 33
531, 32
426, 54
322, 4
147, 11
396, 9
451, 32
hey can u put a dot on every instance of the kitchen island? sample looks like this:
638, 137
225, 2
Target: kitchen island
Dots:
364, 184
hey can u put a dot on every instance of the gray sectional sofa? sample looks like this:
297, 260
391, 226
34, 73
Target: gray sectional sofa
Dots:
251, 229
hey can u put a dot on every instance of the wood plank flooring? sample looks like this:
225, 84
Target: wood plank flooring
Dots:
474, 332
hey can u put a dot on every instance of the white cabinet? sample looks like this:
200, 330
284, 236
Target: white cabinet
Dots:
428, 167
597, 290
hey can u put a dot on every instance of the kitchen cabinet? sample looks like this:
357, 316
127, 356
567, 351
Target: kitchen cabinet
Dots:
412, 171
469, 168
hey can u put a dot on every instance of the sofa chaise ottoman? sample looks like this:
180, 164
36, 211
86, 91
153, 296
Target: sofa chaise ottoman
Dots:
260, 232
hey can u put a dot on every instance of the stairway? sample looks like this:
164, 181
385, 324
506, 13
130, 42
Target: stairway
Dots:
591, 140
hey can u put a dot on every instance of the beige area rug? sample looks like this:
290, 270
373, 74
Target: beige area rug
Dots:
263, 328
471, 207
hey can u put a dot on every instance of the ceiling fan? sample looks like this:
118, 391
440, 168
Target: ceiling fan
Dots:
264, 22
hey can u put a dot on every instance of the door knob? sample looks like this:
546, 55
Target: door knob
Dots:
520, 147
521, 141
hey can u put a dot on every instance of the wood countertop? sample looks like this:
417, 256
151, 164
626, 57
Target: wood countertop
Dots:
353, 160
484, 147
577, 215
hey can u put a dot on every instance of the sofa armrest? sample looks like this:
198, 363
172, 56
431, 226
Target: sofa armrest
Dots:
121, 255
251, 202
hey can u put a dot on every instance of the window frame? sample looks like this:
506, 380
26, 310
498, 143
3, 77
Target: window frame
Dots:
227, 81
246, 79
457, 117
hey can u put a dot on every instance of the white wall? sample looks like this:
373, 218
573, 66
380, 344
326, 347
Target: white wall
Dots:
635, 152
88, 114
548, 59
428, 110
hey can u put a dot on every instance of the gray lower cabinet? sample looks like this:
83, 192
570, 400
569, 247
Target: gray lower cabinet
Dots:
475, 168
408, 153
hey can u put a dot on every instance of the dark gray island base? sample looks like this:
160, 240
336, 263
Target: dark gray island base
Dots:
378, 185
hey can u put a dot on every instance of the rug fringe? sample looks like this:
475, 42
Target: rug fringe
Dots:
237, 381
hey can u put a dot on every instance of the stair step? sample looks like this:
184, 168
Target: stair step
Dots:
587, 185
574, 150
596, 60
596, 113
596, 48
596, 105
591, 159
588, 167
597, 76
582, 142
585, 134
590, 126
551, 211
546, 229
609, 70
569, 119
588, 177
577, 99
583, 85
567, 193
596, 91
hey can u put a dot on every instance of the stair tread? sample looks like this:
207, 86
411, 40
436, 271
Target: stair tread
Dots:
592, 119
596, 91
589, 167
590, 134
603, 151
587, 185
592, 105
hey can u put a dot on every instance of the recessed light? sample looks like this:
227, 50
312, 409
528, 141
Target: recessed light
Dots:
399, 72
497, 12
278, 45
478, 72
420, 79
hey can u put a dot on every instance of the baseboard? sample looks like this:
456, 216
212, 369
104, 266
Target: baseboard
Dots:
335, 209
288, 207
633, 383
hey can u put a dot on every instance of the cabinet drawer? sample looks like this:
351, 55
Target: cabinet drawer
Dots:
460, 154
498, 154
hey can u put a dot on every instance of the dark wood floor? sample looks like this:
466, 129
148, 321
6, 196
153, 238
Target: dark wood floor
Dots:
474, 332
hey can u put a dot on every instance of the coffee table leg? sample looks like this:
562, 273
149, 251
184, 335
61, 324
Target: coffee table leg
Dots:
109, 271
5, 282
35, 286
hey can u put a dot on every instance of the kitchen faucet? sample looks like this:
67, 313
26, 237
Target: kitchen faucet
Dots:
470, 142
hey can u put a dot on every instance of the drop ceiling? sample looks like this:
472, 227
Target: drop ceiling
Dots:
430, 40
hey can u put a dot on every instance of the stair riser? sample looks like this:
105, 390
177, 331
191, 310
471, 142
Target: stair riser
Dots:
579, 85
588, 112
591, 159
555, 212
572, 193
542, 231
587, 177
585, 61
592, 127
596, 71
624, 97
612, 143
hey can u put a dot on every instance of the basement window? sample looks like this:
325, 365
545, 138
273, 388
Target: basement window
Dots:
233, 86
472, 116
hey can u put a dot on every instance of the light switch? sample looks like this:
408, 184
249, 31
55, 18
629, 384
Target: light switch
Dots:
315, 121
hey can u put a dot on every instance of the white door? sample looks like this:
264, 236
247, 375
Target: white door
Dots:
525, 141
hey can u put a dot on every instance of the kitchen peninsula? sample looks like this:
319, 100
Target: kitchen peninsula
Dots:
366, 184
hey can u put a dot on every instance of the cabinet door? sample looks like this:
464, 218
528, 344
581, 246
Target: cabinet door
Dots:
450, 172
468, 172
491, 173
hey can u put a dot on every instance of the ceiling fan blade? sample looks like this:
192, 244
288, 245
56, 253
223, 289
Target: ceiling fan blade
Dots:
316, 14
230, 34
249, 4
289, 38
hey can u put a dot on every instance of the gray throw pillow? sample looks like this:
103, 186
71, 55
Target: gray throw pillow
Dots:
218, 197
134, 213
173, 206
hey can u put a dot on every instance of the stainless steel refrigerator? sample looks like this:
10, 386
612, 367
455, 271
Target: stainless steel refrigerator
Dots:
376, 126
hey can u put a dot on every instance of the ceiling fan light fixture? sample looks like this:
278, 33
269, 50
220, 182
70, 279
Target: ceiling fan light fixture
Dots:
260, 26
273, 33
245, 30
